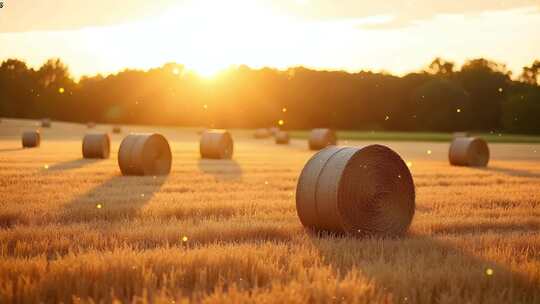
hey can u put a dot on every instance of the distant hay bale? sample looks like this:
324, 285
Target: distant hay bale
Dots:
96, 145
216, 144
274, 131
91, 125
262, 133
145, 154
469, 151
45, 123
117, 129
31, 139
358, 191
460, 134
322, 138
282, 138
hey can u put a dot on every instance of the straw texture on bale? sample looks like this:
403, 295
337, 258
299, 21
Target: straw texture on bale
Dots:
45, 123
262, 133
282, 138
216, 144
322, 138
469, 151
96, 145
357, 191
31, 139
117, 129
145, 154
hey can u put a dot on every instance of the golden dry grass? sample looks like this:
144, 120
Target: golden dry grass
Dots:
227, 231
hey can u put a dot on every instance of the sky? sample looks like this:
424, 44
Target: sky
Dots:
396, 36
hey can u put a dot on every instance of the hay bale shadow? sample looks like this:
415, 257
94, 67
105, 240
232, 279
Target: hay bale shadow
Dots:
119, 198
73, 164
11, 150
409, 269
221, 169
510, 171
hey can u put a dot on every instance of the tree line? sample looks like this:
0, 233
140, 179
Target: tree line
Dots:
479, 96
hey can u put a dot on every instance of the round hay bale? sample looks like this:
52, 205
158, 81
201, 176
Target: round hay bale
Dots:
262, 133
91, 125
216, 144
145, 154
96, 145
322, 138
469, 151
282, 138
117, 129
358, 191
31, 139
274, 131
45, 123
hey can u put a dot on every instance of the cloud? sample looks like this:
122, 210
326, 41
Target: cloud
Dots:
46, 15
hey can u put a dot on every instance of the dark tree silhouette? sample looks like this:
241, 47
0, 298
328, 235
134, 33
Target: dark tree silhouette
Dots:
479, 96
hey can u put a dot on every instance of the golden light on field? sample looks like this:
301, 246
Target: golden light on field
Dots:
241, 217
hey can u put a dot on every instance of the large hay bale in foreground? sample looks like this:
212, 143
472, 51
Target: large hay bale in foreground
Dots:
359, 191
216, 144
322, 138
31, 139
469, 151
96, 145
282, 138
145, 154
117, 129
262, 133
46, 123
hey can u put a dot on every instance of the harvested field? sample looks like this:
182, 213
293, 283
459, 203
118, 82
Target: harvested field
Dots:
74, 229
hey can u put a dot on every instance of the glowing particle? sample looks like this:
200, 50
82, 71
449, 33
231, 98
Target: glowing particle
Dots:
399, 176
281, 122
266, 182
284, 110
46, 166
184, 239
99, 206
176, 71
142, 195
458, 110
387, 117
500, 90
409, 164
489, 272
429, 152
205, 106
61, 90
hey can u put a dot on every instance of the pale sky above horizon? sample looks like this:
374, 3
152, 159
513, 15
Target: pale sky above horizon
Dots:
105, 36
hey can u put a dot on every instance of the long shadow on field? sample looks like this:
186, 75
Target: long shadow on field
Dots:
11, 150
510, 171
120, 197
421, 269
73, 164
221, 169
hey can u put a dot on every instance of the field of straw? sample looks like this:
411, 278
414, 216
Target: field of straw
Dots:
214, 231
